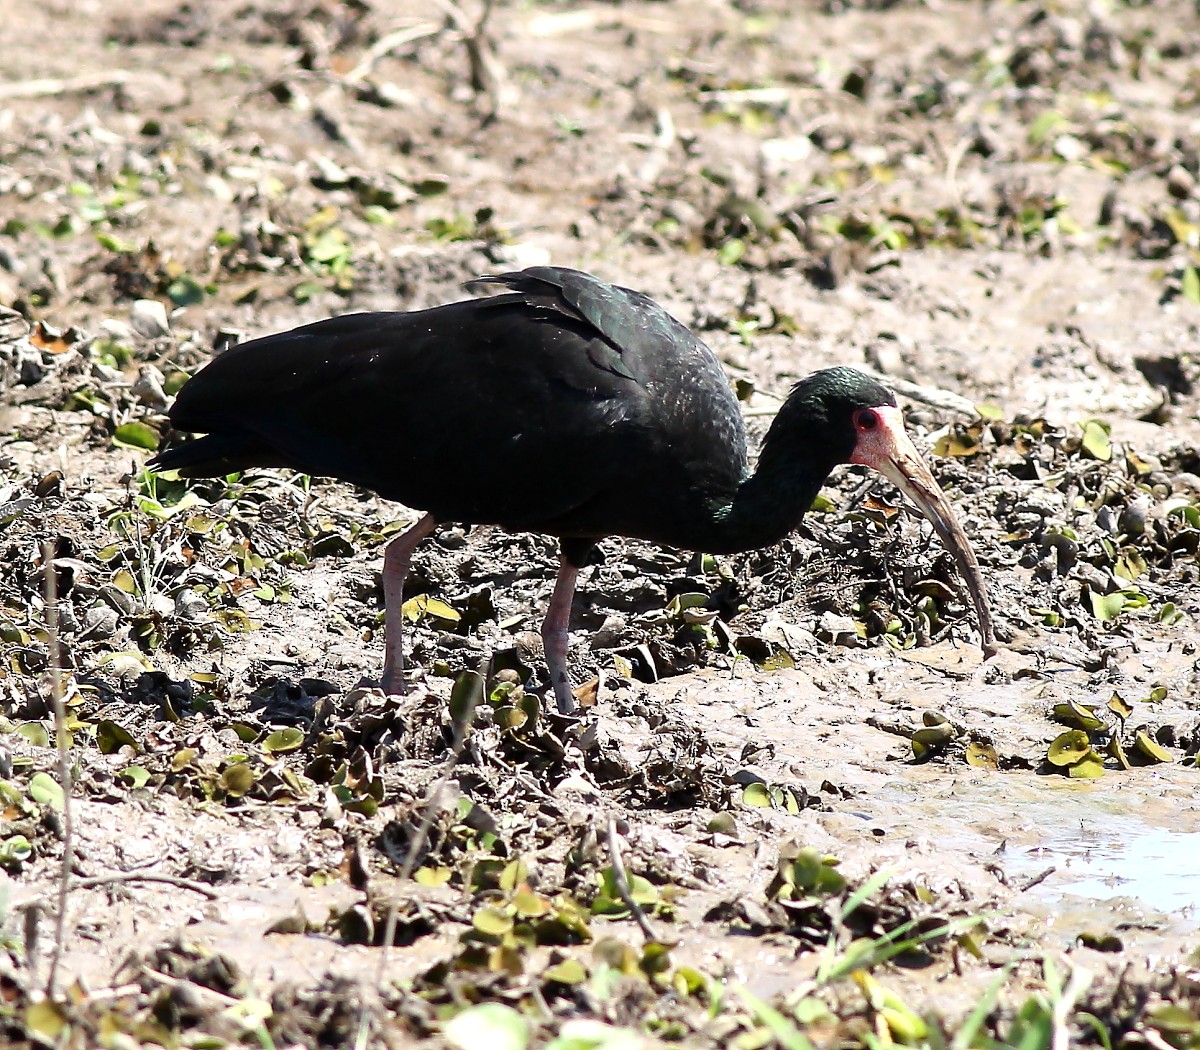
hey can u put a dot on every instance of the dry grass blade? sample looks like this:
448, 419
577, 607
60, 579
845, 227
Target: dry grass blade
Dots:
146, 876
473, 683
386, 45
48, 87
621, 877
64, 763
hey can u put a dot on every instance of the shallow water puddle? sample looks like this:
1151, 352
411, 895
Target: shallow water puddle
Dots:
1157, 866
1136, 841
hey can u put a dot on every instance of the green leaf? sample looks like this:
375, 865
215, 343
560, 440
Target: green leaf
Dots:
35, 733
492, 922
1044, 125
757, 794
731, 252
1106, 607
931, 739
237, 779
235, 621
111, 737
136, 776
1089, 767
1068, 748
1191, 285
723, 824
422, 605
982, 756
306, 290
466, 695
1149, 749
515, 872
786, 1034
1119, 707
1078, 716
185, 291
1096, 442
45, 790
1168, 614
45, 1022
14, 851
814, 872
136, 434
488, 1026
1130, 565
642, 891
569, 971
283, 740
432, 876
529, 905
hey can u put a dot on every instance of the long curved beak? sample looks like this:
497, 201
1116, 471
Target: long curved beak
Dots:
889, 450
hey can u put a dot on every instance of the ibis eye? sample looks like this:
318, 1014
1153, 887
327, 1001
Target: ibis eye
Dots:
866, 419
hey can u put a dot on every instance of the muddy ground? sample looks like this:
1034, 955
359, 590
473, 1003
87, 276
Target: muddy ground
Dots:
839, 826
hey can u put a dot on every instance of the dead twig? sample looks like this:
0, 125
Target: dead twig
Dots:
385, 45
487, 74
216, 1000
70, 86
145, 876
622, 880
1041, 877
432, 805
64, 761
927, 395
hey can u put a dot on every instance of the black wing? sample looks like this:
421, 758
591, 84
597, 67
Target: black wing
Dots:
562, 406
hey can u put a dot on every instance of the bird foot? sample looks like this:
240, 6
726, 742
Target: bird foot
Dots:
392, 683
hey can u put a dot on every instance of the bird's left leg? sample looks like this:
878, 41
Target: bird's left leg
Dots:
396, 559
556, 626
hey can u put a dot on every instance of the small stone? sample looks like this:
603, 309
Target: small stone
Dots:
611, 634
100, 621
13, 326
1133, 517
149, 319
160, 604
840, 630
1181, 183
1106, 518
790, 636
190, 606
148, 388
30, 367
117, 331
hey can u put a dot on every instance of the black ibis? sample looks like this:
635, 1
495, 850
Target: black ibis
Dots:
564, 406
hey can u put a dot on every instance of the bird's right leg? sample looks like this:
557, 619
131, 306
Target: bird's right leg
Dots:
556, 627
396, 559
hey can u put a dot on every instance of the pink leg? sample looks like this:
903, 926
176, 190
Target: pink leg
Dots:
556, 636
396, 559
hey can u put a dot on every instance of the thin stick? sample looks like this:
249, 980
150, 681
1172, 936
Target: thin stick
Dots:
201, 991
387, 44
622, 880
44, 88
927, 395
64, 761
487, 74
146, 876
1038, 879
427, 818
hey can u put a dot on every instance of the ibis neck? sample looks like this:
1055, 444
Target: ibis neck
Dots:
768, 505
